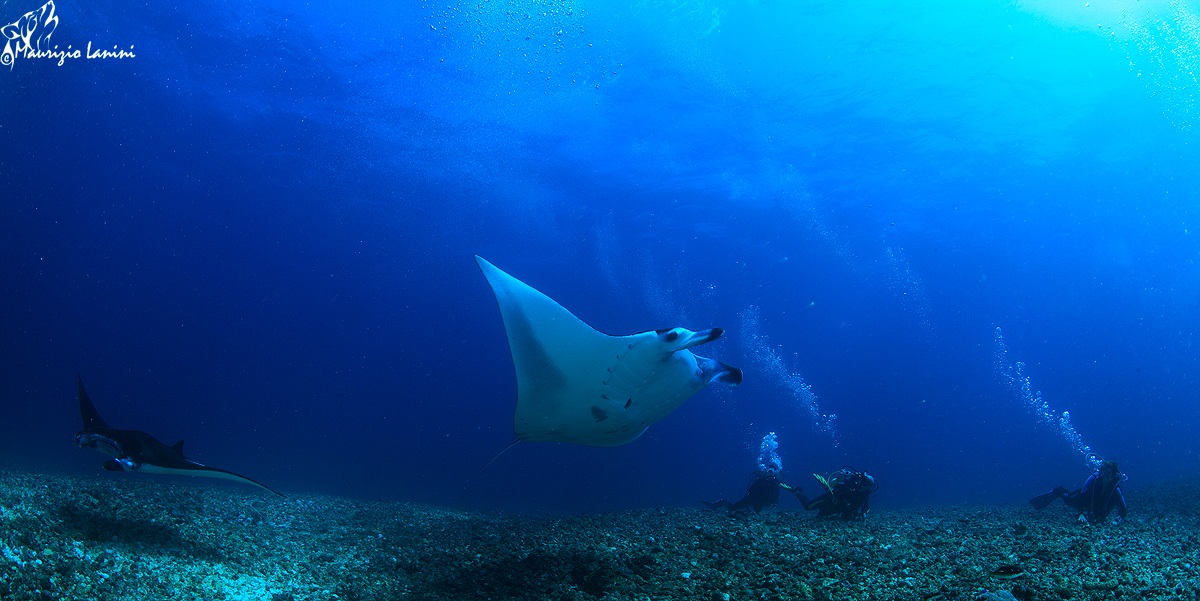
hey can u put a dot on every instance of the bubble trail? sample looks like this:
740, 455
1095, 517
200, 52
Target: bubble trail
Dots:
768, 455
771, 363
1012, 376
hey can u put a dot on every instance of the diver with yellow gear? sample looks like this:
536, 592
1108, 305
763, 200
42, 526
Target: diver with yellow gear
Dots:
847, 494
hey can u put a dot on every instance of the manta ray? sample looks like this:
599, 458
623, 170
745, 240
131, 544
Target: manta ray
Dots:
136, 451
577, 385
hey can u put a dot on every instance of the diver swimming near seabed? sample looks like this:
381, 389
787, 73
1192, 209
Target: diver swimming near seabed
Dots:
847, 494
847, 491
1098, 497
1101, 493
765, 482
762, 492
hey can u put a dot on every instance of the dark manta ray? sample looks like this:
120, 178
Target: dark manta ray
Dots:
136, 451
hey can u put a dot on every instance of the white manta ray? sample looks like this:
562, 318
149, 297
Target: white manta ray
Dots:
577, 385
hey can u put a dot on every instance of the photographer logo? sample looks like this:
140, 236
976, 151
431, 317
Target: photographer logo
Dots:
29, 37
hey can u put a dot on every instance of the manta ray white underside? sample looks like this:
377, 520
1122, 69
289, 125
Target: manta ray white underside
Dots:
577, 385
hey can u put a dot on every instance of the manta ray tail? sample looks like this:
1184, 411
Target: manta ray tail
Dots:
503, 451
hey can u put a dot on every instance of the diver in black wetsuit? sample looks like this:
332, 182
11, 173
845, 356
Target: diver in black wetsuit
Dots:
763, 491
847, 494
1101, 494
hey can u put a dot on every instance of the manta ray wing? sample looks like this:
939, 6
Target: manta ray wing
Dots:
560, 361
577, 385
87, 411
187, 467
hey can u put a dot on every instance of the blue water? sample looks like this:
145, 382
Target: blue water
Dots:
257, 235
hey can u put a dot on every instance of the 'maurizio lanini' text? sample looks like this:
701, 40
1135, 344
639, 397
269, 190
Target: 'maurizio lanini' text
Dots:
63, 56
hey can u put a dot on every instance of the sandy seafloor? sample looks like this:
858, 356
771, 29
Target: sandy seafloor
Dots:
148, 538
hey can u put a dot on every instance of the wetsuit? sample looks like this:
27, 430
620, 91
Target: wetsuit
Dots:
845, 501
763, 491
1098, 497
1101, 494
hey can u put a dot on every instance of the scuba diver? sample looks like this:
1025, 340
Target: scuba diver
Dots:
847, 494
765, 483
1101, 493
763, 491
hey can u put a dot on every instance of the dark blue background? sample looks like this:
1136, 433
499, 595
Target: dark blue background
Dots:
257, 235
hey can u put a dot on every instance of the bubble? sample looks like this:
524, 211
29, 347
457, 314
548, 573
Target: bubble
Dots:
771, 363
1164, 45
768, 457
1012, 375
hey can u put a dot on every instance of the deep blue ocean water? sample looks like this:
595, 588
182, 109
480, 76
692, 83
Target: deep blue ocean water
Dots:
257, 235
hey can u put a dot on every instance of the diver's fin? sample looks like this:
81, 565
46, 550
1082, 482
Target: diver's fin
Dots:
1044, 500
722, 504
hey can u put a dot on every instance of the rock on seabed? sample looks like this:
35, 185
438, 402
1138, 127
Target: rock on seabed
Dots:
127, 539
